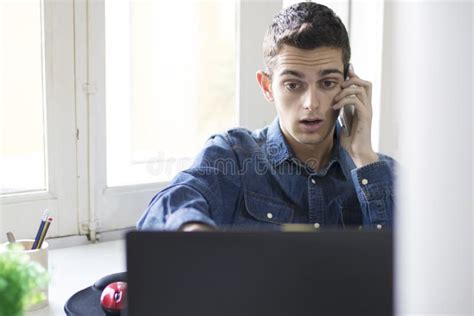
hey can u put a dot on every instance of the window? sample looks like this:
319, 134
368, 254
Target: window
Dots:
38, 158
22, 150
170, 84
157, 90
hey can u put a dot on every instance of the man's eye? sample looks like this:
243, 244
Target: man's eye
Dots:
328, 84
291, 86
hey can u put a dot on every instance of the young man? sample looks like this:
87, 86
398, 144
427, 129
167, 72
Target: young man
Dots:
302, 168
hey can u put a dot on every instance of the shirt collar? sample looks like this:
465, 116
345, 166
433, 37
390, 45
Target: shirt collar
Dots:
276, 147
278, 150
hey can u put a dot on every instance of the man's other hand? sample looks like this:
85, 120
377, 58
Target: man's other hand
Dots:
196, 227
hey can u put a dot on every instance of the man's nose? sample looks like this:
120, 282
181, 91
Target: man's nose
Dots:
311, 99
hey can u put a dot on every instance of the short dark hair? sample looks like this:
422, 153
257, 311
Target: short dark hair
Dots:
305, 25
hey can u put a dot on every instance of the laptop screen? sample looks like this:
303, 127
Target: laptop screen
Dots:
260, 273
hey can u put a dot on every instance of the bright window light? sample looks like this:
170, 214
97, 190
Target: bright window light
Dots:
170, 84
22, 127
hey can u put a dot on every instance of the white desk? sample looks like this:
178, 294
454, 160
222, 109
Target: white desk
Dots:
75, 268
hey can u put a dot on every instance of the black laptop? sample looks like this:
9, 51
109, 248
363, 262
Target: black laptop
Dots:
260, 273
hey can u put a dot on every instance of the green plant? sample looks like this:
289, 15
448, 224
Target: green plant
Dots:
20, 282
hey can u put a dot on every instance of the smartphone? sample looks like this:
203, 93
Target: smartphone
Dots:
346, 113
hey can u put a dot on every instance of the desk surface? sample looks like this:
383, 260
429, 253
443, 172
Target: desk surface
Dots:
75, 268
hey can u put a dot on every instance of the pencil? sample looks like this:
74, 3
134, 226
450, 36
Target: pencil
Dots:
40, 229
45, 231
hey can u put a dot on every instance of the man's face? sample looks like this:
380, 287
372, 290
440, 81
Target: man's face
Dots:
304, 84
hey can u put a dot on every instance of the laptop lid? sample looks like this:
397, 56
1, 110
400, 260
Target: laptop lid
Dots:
259, 273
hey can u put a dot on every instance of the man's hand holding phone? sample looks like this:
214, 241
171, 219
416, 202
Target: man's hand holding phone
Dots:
357, 142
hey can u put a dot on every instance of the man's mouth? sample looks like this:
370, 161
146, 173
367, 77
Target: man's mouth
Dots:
311, 125
311, 121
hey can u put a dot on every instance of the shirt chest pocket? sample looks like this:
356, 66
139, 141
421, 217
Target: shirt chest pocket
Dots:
259, 210
349, 211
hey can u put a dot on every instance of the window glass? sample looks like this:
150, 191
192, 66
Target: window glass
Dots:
170, 84
22, 127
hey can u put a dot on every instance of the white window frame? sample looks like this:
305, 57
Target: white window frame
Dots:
120, 207
21, 213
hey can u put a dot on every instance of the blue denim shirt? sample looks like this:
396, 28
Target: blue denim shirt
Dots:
244, 179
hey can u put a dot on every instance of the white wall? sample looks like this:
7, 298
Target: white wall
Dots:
255, 16
388, 122
431, 81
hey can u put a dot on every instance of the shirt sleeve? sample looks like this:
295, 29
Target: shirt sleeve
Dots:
374, 185
206, 192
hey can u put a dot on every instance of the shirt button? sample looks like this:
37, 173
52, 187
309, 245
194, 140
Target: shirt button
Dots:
316, 225
365, 181
313, 181
379, 226
269, 215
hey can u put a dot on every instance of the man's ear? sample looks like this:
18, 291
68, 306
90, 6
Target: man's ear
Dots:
265, 83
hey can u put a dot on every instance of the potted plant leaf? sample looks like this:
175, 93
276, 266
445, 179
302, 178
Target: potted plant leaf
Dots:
21, 281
